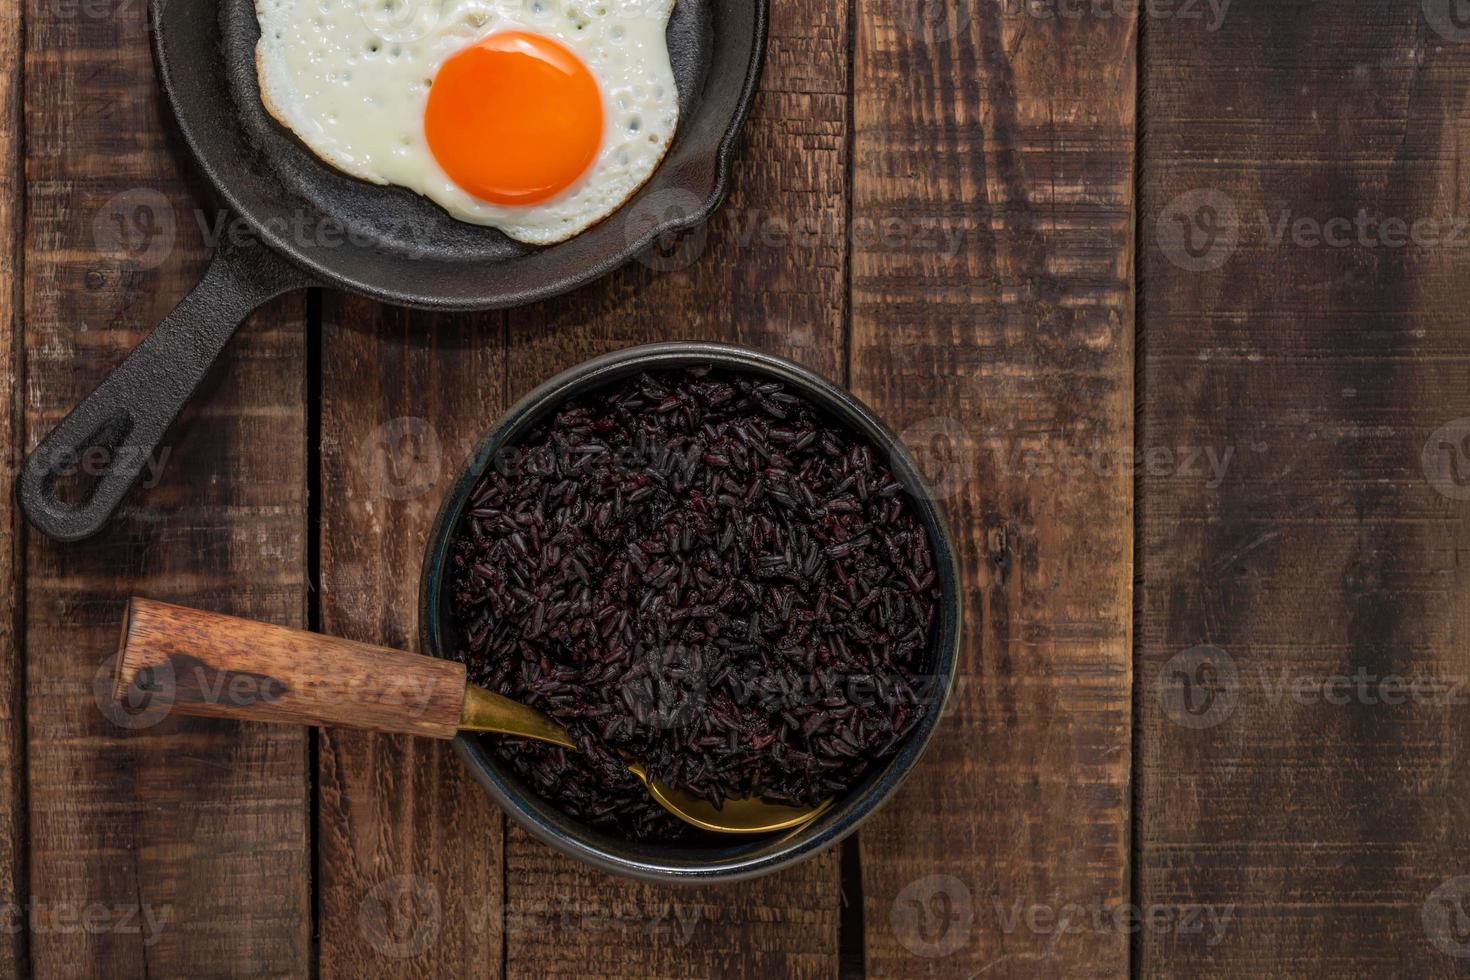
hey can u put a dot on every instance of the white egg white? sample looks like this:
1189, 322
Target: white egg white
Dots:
351, 79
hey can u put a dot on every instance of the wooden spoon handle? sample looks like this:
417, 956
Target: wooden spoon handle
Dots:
202, 663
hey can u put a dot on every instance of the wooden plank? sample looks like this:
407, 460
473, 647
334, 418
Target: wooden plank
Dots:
1285, 776
767, 272
177, 848
12, 658
992, 325
409, 845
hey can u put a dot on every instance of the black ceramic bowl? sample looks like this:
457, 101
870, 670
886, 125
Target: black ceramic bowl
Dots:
742, 857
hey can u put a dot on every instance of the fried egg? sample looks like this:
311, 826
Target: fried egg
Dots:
537, 117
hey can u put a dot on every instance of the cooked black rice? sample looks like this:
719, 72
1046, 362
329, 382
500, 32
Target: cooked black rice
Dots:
700, 570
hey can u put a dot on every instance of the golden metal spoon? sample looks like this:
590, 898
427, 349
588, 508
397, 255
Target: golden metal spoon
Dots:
486, 711
201, 663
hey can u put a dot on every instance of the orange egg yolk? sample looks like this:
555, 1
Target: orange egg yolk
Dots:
515, 118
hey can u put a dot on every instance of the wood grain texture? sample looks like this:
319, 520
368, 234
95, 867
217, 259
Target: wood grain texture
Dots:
992, 325
165, 847
203, 663
409, 846
1327, 814
769, 272
13, 960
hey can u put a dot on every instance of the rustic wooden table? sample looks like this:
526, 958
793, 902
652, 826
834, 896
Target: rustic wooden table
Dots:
1152, 294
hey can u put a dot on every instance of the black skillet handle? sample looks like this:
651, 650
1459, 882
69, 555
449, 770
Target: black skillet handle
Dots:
121, 423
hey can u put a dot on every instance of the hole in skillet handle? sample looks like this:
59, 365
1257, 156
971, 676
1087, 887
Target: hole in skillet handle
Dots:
76, 475
79, 474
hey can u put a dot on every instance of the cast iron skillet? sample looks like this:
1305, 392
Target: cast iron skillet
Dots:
314, 226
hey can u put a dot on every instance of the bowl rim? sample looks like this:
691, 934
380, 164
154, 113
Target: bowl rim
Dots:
746, 859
